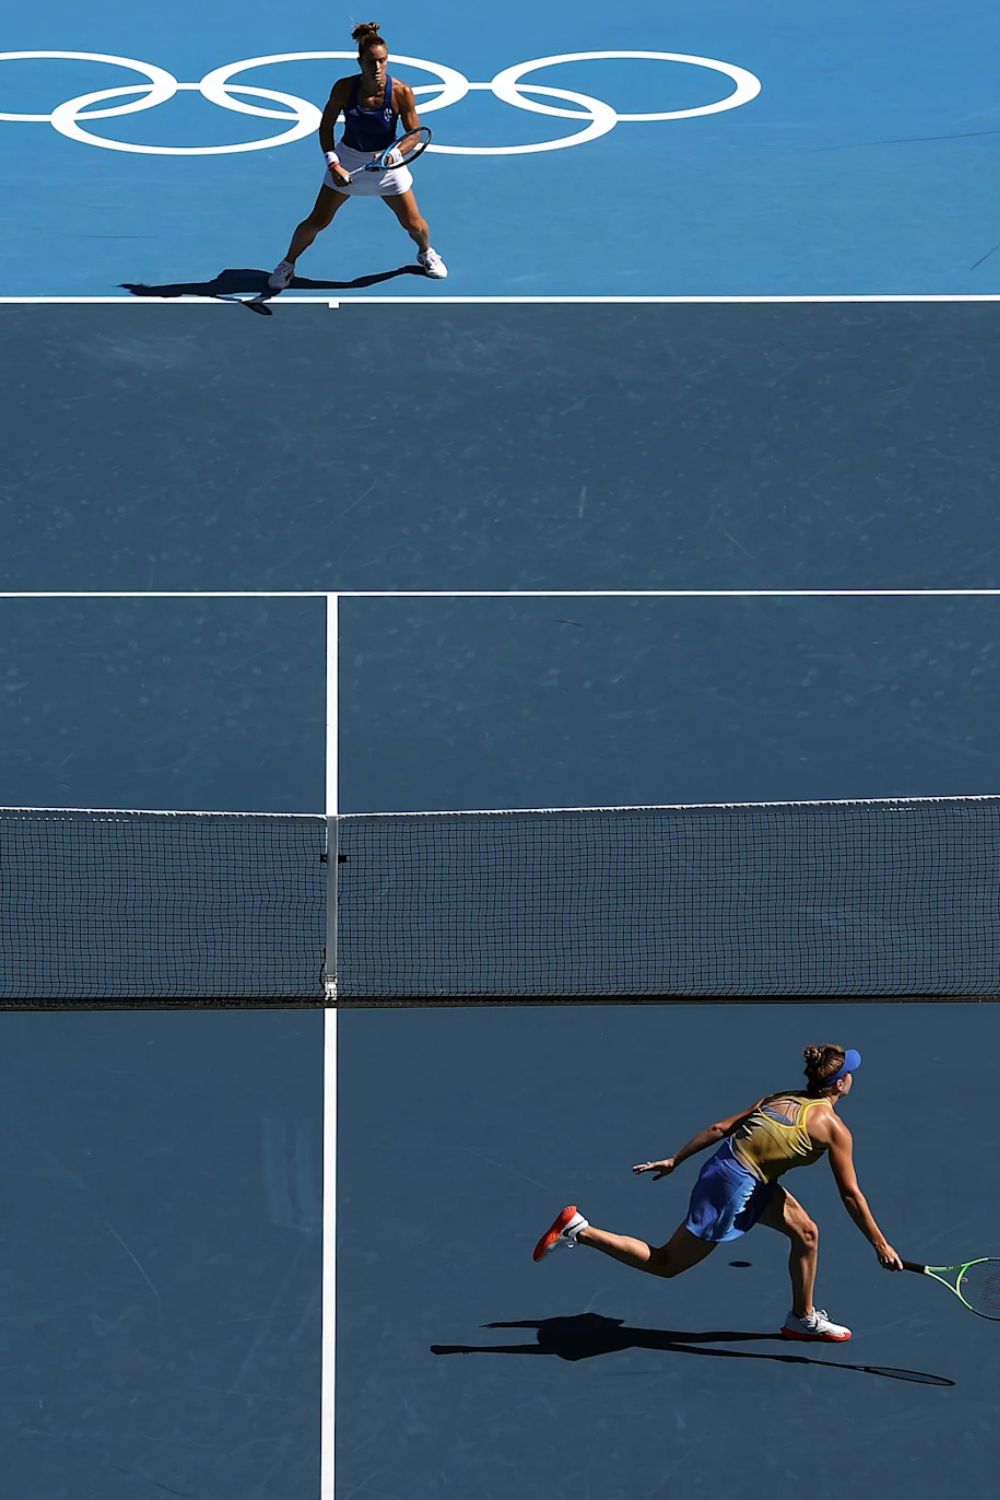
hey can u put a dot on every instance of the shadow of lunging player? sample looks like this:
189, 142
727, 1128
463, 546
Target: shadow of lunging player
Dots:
252, 282
587, 1335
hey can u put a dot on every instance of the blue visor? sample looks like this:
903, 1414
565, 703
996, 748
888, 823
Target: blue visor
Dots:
852, 1062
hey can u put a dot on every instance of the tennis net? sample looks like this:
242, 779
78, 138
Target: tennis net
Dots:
840, 900
115, 906
835, 899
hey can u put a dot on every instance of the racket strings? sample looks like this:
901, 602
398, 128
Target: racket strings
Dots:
410, 145
980, 1288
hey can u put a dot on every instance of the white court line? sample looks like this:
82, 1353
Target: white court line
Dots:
794, 298
913, 593
430, 300
665, 593
168, 812
220, 301
329, 1293
167, 593
332, 783
329, 1342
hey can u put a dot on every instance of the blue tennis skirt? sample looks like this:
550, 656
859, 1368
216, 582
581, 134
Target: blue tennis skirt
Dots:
727, 1199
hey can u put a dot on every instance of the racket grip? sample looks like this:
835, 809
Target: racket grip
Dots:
914, 1265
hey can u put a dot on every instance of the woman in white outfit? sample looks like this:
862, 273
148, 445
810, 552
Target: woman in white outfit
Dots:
373, 104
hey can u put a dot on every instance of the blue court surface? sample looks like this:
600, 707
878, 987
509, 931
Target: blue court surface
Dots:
572, 447
164, 1171
166, 1284
162, 1245
799, 154
198, 705
465, 1368
451, 703
485, 703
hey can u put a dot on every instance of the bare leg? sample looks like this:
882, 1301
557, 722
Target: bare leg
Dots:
404, 206
785, 1214
327, 204
682, 1251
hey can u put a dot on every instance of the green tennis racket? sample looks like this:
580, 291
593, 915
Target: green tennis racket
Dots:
976, 1283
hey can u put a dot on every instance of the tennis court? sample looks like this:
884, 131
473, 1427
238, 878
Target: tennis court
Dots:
795, 157
524, 1099
162, 1171
162, 1253
792, 474
463, 1362
214, 703
577, 1375
163, 703
785, 446
583, 702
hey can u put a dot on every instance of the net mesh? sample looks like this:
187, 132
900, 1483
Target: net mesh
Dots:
838, 900
828, 899
115, 906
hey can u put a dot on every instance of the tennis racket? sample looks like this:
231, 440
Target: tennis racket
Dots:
976, 1283
399, 154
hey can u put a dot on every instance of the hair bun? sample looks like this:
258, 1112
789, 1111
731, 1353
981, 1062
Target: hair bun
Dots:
813, 1056
365, 29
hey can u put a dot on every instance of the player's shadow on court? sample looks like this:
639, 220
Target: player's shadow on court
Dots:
587, 1335
252, 282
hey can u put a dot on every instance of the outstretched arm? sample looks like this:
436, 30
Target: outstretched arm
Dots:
710, 1136
841, 1148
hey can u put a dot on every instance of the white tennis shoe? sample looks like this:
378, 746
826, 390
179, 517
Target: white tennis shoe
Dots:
431, 264
281, 277
815, 1325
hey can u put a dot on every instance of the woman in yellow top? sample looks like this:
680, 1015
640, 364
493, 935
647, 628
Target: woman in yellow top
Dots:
738, 1187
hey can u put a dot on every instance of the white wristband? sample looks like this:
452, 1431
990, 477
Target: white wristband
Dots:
332, 159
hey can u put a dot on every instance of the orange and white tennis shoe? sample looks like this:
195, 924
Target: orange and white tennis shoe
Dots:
815, 1326
562, 1231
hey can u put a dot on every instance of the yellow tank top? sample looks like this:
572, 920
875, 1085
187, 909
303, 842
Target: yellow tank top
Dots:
775, 1137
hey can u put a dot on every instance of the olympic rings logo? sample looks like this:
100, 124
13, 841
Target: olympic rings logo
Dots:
74, 117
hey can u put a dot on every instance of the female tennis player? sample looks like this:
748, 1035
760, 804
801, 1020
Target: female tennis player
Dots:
372, 104
738, 1187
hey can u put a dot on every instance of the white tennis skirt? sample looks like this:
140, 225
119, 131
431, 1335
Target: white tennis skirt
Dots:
387, 184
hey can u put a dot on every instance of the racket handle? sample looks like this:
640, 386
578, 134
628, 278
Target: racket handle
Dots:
914, 1265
